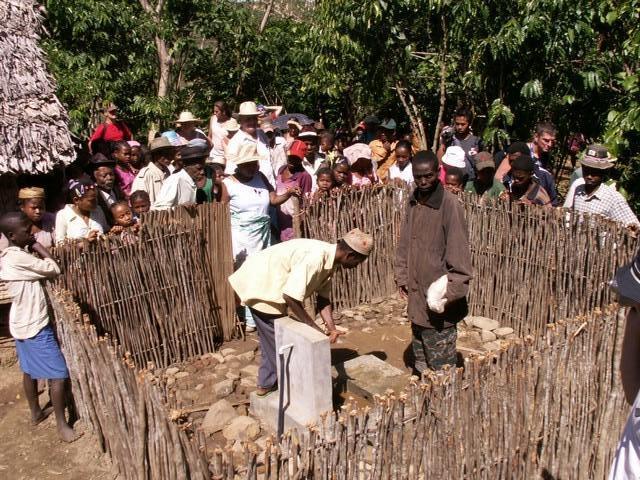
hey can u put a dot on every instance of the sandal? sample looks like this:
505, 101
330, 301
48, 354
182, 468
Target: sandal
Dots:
264, 391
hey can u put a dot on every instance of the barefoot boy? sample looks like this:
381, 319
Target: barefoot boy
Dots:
38, 351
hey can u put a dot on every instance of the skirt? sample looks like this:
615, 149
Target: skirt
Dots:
40, 357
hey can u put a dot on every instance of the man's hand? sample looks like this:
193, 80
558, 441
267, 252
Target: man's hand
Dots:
92, 236
333, 335
116, 230
402, 291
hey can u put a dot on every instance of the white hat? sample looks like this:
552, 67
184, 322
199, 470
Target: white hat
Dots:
248, 152
231, 125
454, 157
308, 134
186, 117
359, 241
248, 109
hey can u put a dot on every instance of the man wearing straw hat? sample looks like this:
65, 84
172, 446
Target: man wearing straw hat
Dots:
590, 194
250, 133
626, 464
279, 279
186, 130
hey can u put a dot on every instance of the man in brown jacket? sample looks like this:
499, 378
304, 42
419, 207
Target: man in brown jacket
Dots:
433, 243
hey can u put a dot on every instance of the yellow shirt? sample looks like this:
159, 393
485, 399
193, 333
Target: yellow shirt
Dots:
296, 268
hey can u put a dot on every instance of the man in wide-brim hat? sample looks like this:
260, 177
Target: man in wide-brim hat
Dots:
186, 130
590, 194
626, 283
150, 178
180, 187
250, 133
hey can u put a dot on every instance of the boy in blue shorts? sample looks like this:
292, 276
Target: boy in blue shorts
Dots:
38, 351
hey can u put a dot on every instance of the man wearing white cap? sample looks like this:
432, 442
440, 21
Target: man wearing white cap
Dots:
278, 280
250, 133
626, 464
590, 194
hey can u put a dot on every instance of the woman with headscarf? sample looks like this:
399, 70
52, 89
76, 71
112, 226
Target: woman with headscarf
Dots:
31, 203
363, 169
82, 218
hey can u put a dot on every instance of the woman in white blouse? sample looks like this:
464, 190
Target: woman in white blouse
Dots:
83, 218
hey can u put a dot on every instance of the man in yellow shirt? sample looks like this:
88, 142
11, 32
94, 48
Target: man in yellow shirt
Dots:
281, 277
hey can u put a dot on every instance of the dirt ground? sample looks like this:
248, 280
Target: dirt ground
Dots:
28, 452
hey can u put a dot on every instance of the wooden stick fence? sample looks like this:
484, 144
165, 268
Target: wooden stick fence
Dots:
550, 406
165, 297
531, 266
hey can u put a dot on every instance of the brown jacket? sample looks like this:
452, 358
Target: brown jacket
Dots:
433, 242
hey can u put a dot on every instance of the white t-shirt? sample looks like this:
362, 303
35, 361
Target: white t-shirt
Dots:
626, 464
23, 272
405, 175
178, 189
71, 225
218, 140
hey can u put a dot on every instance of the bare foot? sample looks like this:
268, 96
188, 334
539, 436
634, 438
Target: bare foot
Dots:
41, 416
67, 434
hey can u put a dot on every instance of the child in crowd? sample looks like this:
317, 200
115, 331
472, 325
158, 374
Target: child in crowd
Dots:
38, 351
126, 226
362, 169
324, 181
137, 155
327, 149
217, 175
454, 180
140, 203
341, 175
125, 172
402, 173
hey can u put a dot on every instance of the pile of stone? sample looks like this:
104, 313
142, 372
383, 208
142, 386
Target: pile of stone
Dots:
486, 332
380, 311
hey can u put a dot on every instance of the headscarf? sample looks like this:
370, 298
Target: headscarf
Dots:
356, 151
79, 188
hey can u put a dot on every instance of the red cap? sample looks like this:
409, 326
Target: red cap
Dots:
298, 149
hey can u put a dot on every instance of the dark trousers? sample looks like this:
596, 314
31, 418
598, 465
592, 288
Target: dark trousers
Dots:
434, 348
267, 373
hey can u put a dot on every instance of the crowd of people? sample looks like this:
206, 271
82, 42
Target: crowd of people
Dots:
262, 164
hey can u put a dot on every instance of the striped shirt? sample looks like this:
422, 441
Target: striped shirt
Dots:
605, 201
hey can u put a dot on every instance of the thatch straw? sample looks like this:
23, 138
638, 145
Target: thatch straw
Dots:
34, 136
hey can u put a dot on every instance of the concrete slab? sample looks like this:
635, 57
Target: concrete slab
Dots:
307, 382
367, 376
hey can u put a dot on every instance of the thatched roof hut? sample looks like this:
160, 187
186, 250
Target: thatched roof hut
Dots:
34, 136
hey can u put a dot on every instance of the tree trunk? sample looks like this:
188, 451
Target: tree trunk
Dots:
164, 65
411, 109
443, 84
265, 17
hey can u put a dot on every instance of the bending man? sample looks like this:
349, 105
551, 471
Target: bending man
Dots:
281, 277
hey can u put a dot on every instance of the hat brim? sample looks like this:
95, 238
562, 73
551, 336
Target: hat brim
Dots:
485, 165
245, 114
247, 160
625, 284
597, 163
191, 120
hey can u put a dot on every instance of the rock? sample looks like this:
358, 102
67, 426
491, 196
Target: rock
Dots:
250, 371
347, 313
170, 381
228, 351
472, 336
234, 366
241, 428
182, 374
199, 387
468, 321
359, 318
232, 375
171, 371
491, 346
367, 330
219, 415
484, 323
248, 382
218, 357
377, 300
224, 388
511, 336
246, 356
231, 358
487, 336
242, 410
502, 332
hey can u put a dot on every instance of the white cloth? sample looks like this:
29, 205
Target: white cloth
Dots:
109, 197
626, 463
262, 145
149, 179
250, 221
178, 189
71, 225
23, 272
405, 175
278, 154
436, 294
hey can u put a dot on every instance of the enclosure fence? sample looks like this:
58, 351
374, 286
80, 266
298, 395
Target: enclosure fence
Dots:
165, 297
547, 405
